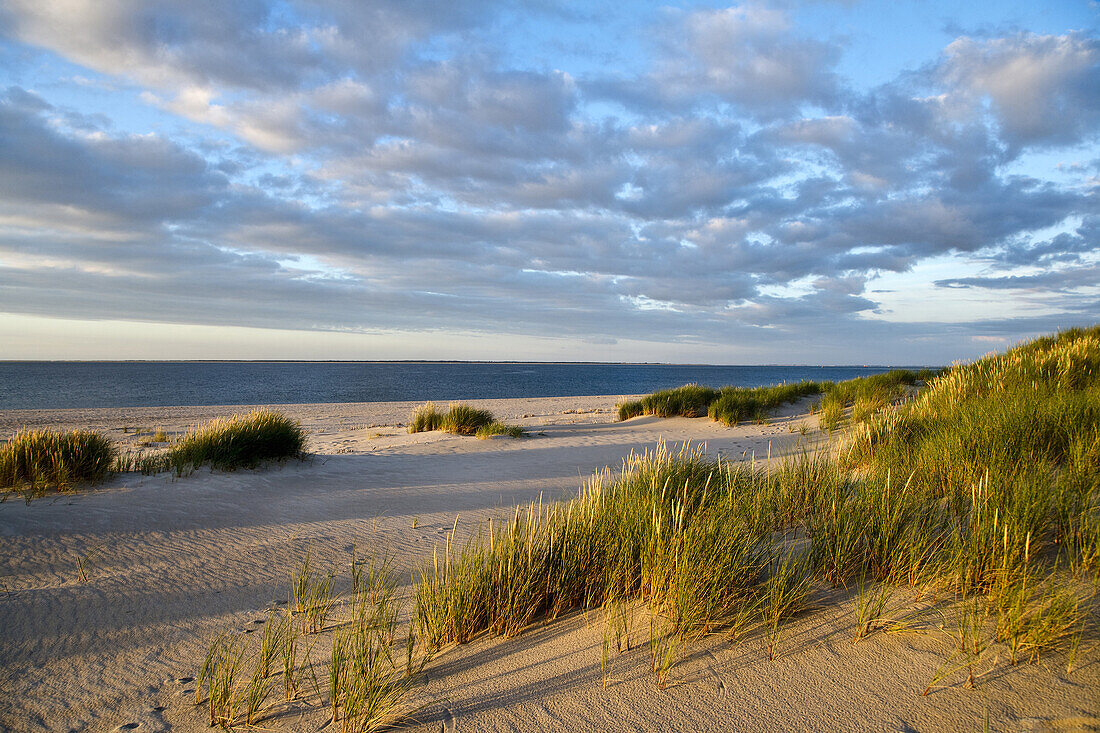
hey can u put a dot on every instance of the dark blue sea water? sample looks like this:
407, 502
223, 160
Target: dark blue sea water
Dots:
32, 385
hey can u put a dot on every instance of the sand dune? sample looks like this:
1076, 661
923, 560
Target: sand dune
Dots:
170, 562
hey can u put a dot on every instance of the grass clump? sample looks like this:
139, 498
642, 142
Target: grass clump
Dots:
1003, 459
425, 419
866, 395
691, 400
666, 531
729, 405
35, 462
783, 595
240, 441
737, 404
497, 428
459, 419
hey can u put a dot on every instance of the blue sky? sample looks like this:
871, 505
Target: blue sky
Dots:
794, 182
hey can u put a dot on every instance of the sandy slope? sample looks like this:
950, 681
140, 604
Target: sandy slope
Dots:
174, 561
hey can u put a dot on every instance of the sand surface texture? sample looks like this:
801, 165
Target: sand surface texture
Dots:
170, 562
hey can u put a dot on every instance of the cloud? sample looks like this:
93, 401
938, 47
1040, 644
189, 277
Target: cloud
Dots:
133, 178
1063, 279
1044, 90
374, 169
744, 55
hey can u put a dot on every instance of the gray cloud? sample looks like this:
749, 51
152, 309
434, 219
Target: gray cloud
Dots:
434, 186
1045, 90
745, 56
1063, 279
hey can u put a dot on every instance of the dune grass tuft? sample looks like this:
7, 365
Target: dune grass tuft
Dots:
459, 419
738, 404
729, 405
691, 400
462, 419
425, 419
240, 441
866, 396
38, 461
985, 486
497, 428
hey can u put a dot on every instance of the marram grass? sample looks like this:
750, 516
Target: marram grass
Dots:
460, 419
729, 405
866, 396
38, 461
240, 441
986, 483
691, 400
738, 404
364, 682
497, 428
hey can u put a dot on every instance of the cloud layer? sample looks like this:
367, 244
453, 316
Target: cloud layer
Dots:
359, 167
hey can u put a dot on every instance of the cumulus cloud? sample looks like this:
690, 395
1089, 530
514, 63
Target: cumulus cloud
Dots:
382, 172
747, 56
1044, 90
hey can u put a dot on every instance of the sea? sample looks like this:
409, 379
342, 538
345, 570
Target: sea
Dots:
91, 384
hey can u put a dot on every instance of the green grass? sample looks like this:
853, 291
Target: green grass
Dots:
984, 486
992, 472
460, 419
663, 531
425, 419
496, 428
369, 675
35, 462
240, 441
866, 395
691, 400
738, 404
1001, 459
732, 405
729, 405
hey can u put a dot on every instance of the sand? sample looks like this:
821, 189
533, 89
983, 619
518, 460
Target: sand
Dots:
171, 562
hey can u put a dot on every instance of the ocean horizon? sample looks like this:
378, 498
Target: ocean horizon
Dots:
140, 383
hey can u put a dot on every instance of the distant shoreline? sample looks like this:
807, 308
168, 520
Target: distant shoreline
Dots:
470, 361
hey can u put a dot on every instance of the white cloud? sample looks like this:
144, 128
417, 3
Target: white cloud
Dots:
1044, 90
445, 185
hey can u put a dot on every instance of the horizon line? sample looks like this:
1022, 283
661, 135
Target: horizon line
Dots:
454, 361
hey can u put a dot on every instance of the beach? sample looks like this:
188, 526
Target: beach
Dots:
110, 595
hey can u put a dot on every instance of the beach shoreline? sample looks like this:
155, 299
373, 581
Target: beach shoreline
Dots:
170, 562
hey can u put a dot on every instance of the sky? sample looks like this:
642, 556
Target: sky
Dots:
798, 182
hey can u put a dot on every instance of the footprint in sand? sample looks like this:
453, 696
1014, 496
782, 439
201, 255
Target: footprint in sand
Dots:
719, 685
449, 724
155, 722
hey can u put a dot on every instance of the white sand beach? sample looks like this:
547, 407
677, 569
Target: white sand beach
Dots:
170, 562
